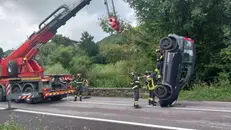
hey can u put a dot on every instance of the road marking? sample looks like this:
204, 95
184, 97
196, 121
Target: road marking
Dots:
102, 103
104, 120
127, 105
202, 109
190, 109
1, 108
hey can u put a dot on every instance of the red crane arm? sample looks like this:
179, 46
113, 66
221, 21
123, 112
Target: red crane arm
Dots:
49, 30
31, 46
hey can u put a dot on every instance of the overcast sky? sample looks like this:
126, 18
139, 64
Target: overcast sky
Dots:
20, 18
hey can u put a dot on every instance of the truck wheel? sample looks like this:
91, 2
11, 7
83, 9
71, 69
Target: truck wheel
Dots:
2, 97
12, 68
29, 100
16, 89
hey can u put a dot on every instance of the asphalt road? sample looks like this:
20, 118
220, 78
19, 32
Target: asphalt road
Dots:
118, 114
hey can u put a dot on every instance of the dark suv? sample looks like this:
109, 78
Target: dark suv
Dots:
178, 67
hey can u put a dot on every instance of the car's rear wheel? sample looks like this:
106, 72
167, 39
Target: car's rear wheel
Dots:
166, 43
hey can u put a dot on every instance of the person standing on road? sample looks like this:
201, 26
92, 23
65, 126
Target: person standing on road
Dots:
151, 83
136, 88
78, 83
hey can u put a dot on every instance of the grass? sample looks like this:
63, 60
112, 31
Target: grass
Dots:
207, 94
11, 125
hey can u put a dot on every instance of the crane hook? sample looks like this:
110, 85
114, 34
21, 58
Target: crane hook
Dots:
112, 19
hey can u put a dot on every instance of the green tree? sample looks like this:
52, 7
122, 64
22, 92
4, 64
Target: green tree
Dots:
80, 65
1, 52
8, 52
114, 52
63, 55
57, 68
208, 25
62, 40
86, 43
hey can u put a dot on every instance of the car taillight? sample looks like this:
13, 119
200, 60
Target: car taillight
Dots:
189, 39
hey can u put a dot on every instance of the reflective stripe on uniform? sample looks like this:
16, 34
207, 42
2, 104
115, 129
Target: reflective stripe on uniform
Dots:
156, 70
135, 87
158, 76
136, 102
151, 85
151, 99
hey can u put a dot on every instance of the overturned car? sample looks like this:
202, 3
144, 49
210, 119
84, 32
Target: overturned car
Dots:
178, 67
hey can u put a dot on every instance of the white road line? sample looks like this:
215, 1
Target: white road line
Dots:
202, 109
1, 108
102, 103
103, 120
177, 108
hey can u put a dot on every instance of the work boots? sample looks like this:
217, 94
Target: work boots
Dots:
153, 103
149, 102
136, 105
75, 99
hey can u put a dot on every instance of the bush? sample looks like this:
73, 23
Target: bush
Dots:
110, 75
114, 52
56, 69
219, 91
80, 65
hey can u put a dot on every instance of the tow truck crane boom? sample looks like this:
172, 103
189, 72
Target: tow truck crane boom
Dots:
21, 77
9, 66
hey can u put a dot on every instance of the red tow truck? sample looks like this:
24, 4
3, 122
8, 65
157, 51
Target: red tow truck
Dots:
22, 78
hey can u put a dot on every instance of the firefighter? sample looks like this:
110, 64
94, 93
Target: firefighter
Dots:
159, 63
158, 75
78, 82
151, 83
136, 88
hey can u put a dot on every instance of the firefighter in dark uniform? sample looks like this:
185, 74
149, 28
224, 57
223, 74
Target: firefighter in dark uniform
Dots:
78, 82
136, 88
159, 63
151, 83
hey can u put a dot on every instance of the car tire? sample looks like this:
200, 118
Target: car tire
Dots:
12, 68
166, 43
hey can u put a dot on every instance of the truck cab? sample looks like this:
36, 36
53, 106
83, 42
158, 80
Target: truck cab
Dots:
178, 67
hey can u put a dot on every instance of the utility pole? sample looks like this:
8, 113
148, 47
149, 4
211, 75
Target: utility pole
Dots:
8, 92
